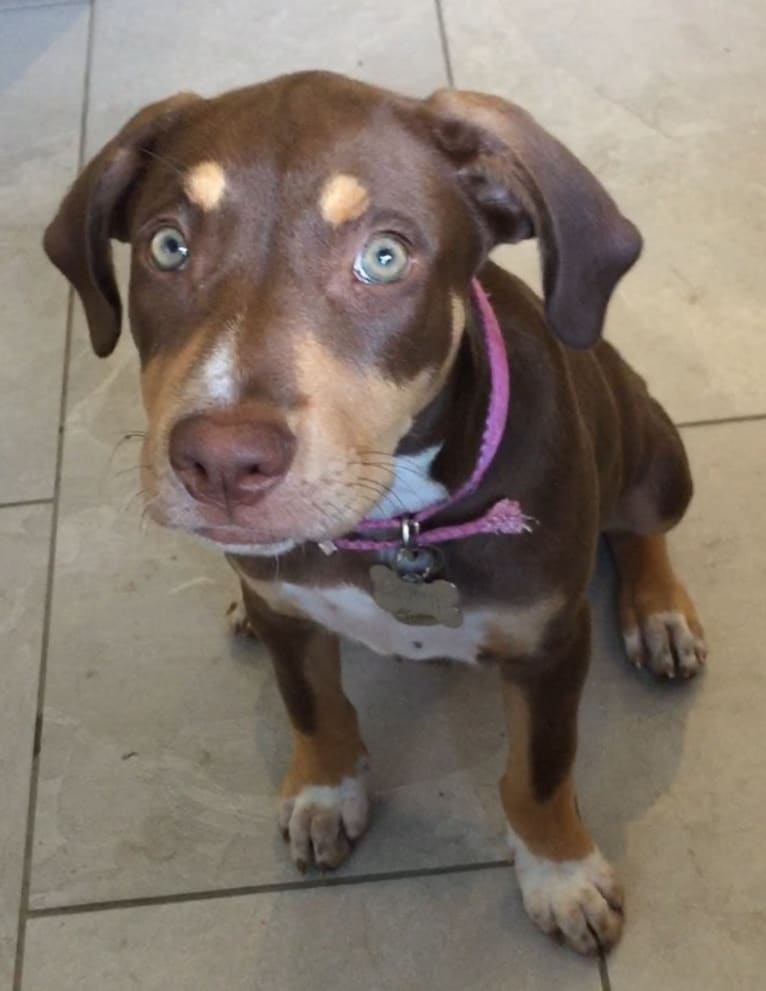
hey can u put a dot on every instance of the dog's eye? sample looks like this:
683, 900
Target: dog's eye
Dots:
384, 258
169, 249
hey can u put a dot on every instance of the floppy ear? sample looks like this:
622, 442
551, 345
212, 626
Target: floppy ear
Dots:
77, 241
526, 184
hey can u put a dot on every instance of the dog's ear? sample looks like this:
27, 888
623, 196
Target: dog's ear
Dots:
77, 241
526, 184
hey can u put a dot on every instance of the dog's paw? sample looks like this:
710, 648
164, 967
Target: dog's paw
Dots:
671, 643
322, 822
579, 900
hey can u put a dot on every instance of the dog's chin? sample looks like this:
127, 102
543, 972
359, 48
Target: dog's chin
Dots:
259, 539
230, 541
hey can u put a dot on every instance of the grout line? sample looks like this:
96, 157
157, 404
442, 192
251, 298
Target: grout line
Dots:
445, 43
20, 503
46, 5
744, 418
603, 972
264, 889
35, 770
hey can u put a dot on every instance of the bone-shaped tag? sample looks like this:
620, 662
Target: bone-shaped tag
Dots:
416, 603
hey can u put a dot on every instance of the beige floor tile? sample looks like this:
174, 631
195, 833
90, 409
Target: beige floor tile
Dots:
6, 5
664, 102
462, 932
236, 42
42, 63
690, 837
42, 67
24, 541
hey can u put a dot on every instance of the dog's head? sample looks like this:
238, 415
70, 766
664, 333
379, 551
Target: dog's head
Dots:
302, 252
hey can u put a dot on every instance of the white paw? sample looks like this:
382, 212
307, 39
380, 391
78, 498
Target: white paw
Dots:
579, 899
321, 822
667, 644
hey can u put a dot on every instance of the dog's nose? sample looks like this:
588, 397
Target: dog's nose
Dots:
229, 463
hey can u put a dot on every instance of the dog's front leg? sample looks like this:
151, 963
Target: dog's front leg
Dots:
567, 885
324, 805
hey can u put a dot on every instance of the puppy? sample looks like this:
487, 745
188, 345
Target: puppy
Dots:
391, 438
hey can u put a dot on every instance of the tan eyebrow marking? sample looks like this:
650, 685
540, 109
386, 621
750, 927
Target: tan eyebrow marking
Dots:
343, 198
205, 184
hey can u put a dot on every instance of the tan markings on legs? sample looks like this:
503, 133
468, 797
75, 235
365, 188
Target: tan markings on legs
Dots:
551, 828
325, 806
335, 747
343, 198
566, 884
205, 185
659, 622
324, 803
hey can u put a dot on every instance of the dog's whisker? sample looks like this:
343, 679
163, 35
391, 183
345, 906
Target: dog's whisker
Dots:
395, 466
129, 435
144, 517
384, 493
132, 499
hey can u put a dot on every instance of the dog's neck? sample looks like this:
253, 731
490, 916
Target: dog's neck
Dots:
499, 515
438, 454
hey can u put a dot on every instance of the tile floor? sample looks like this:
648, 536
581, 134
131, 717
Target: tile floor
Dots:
137, 844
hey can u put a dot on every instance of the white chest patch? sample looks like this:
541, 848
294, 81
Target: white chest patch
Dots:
352, 613
348, 610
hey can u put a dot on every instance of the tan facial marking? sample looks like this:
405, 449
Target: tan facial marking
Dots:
163, 377
343, 198
349, 409
457, 306
205, 185
458, 315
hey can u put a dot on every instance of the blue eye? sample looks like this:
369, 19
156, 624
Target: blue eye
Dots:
383, 259
169, 249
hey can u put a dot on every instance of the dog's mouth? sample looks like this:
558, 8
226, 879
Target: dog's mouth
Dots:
288, 516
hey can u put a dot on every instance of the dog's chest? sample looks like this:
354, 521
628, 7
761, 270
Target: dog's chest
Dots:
351, 612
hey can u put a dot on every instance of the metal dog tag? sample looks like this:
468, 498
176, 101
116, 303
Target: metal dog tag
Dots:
410, 591
415, 602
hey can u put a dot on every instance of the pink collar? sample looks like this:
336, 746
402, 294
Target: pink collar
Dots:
504, 516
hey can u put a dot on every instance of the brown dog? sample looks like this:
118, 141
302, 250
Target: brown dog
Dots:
313, 354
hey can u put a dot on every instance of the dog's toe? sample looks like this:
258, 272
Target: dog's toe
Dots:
322, 821
578, 900
671, 644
